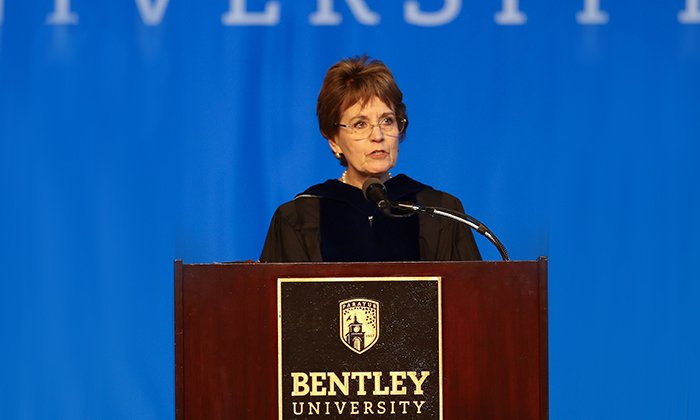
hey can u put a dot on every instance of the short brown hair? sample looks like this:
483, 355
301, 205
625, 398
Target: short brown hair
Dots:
353, 80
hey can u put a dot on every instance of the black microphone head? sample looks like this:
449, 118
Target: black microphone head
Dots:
374, 190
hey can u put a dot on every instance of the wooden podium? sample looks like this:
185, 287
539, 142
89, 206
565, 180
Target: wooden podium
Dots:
494, 336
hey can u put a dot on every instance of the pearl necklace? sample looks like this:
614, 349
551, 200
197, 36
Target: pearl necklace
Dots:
344, 178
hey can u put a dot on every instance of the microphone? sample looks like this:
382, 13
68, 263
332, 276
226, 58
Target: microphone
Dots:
375, 191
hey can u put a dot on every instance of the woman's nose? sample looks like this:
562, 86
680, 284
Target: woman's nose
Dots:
377, 133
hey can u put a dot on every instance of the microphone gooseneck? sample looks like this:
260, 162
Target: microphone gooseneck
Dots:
375, 192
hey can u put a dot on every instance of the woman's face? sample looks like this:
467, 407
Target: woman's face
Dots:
371, 156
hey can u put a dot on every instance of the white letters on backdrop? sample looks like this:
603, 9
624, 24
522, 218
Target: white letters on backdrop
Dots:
61, 14
591, 14
238, 15
510, 15
326, 16
691, 14
413, 15
152, 12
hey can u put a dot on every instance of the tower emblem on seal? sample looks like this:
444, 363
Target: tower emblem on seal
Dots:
359, 324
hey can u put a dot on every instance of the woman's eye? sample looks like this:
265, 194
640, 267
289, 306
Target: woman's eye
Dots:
360, 124
388, 121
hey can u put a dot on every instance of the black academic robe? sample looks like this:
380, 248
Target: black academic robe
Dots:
333, 222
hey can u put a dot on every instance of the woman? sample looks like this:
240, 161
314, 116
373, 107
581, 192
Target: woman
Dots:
362, 115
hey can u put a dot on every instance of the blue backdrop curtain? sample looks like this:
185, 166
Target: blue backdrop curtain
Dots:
133, 133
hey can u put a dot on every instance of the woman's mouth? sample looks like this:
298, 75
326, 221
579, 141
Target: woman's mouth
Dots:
378, 154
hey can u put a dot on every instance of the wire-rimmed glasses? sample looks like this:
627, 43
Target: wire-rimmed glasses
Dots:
362, 129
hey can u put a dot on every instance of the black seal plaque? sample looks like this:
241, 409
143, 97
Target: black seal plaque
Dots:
361, 347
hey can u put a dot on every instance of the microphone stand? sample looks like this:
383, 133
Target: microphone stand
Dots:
454, 215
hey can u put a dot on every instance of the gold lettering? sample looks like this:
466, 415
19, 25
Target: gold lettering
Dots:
369, 407
300, 386
378, 386
419, 383
301, 408
418, 406
343, 387
340, 408
360, 376
397, 387
316, 382
317, 409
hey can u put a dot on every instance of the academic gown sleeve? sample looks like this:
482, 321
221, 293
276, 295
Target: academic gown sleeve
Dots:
294, 234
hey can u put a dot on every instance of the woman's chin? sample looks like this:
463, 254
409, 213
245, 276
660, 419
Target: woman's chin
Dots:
379, 171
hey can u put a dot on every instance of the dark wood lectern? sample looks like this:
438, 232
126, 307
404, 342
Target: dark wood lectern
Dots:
494, 336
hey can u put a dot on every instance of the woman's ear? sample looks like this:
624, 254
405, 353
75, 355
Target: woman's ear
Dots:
334, 146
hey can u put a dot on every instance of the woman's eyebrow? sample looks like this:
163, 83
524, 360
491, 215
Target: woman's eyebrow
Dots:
363, 116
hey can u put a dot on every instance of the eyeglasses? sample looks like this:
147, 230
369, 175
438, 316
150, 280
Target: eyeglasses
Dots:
362, 129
